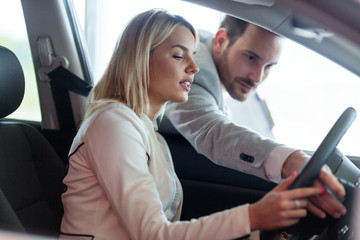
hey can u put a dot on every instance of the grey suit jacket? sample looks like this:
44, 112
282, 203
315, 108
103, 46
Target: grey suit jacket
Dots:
203, 122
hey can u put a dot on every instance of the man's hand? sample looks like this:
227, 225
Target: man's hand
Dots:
324, 203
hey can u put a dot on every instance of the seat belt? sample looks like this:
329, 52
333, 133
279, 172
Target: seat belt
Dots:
63, 81
54, 69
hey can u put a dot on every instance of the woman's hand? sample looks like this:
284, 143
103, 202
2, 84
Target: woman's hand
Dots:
320, 204
281, 207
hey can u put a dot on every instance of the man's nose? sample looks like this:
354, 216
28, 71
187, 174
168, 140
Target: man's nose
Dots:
257, 75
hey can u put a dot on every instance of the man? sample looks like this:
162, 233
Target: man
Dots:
237, 59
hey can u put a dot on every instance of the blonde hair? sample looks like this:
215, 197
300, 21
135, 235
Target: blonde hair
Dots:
126, 78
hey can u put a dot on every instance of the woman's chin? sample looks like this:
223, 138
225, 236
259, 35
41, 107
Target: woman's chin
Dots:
180, 99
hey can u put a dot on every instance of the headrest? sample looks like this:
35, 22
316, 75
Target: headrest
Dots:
12, 83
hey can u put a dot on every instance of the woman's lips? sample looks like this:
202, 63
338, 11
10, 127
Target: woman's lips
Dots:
186, 84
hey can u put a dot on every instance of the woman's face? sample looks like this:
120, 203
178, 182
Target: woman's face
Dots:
172, 68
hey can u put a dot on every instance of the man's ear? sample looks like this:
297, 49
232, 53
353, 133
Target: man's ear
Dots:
221, 41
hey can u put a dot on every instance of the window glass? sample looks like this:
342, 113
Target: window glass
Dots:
306, 93
13, 36
298, 103
103, 22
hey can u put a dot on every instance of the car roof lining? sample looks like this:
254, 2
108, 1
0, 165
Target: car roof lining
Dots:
282, 19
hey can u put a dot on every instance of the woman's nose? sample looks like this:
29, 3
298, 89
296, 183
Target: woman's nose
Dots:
193, 67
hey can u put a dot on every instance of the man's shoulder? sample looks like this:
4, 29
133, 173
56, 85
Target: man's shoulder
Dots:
205, 35
203, 57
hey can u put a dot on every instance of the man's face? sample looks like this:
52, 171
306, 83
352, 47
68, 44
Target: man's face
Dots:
246, 63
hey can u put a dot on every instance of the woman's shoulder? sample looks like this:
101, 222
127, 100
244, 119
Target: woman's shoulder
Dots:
111, 118
113, 114
116, 110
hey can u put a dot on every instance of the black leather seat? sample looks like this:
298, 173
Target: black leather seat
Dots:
31, 172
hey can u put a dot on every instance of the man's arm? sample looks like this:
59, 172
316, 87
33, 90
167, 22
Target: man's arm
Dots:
212, 134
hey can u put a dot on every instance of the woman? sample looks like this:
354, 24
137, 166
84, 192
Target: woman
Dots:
121, 182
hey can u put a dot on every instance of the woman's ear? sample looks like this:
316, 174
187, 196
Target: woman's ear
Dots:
221, 41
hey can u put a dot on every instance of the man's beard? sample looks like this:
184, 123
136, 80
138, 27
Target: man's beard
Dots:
228, 83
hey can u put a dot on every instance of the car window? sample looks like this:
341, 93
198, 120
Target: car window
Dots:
306, 93
297, 104
13, 36
103, 21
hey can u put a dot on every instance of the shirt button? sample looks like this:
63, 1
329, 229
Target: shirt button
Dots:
246, 158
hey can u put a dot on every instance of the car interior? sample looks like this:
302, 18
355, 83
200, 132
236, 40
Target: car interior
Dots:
33, 155
31, 170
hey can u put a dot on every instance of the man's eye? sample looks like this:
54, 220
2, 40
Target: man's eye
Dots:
251, 58
268, 67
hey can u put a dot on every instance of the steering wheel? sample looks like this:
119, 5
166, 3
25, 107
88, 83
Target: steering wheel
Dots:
310, 171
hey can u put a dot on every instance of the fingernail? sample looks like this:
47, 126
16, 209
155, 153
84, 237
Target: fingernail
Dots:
323, 190
343, 211
284, 235
336, 215
341, 193
293, 174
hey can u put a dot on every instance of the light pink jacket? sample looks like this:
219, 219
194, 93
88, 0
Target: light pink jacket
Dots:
121, 185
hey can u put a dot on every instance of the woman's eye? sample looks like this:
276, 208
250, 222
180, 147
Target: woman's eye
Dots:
179, 57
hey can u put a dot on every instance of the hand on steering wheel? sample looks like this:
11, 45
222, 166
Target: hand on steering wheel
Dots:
317, 173
281, 207
327, 203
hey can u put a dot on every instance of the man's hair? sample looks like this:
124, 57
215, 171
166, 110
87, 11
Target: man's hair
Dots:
234, 27
126, 79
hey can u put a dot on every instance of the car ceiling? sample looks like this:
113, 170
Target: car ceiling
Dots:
329, 27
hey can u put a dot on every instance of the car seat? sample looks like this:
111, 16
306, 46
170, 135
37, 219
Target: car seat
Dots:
31, 172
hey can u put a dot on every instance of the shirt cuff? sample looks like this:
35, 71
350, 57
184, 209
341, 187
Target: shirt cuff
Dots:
275, 162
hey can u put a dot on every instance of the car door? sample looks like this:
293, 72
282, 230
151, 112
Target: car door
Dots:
50, 40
